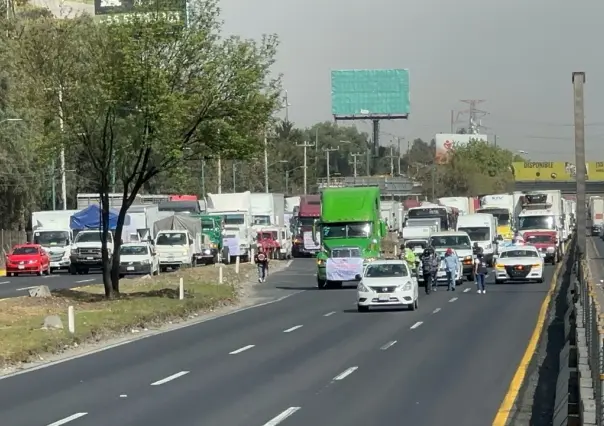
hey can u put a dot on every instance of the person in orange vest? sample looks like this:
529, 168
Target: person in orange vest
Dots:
261, 260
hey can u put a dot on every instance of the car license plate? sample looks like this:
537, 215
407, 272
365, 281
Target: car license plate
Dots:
89, 258
384, 298
130, 268
21, 267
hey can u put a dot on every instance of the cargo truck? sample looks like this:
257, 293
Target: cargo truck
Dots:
596, 212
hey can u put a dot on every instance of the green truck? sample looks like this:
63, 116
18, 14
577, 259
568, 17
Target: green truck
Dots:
351, 232
211, 227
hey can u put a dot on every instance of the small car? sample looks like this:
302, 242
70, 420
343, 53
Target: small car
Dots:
27, 259
519, 263
387, 283
138, 259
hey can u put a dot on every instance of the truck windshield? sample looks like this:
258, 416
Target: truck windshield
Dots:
262, 220
172, 239
451, 241
477, 233
502, 215
347, 230
92, 237
536, 222
52, 238
207, 225
234, 219
306, 221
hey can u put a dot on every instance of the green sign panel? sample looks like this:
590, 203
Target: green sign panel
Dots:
372, 94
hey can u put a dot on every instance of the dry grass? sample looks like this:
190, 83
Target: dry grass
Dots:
143, 303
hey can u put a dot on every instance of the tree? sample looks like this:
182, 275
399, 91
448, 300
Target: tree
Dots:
146, 96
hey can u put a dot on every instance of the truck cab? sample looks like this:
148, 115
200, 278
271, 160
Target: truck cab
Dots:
57, 243
482, 229
351, 232
86, 252
211, 227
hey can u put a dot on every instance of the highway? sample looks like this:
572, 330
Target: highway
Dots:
18, 286
309, 359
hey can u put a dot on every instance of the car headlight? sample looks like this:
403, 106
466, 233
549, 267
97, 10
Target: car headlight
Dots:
213, 246
369, 259
362, 288
467, 258
320, 262
184, 253
500, 266
32, 261
536, 265
551, 249
145, 262
408, 286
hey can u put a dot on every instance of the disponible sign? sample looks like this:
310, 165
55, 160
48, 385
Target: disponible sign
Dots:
150, 9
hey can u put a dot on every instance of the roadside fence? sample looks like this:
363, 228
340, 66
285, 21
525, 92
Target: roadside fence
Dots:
9, 238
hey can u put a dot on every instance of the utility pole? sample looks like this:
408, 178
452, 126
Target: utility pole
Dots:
219, 175
62, 154
578, 82
475, 114
203, 178
286, 182
306, 145
265, 163
399, 154
327, 152
354, 162
54, 185
286, 105
234, 178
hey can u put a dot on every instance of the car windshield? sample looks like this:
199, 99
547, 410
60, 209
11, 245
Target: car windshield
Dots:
537, 222
172, 239
536, 239
52, 238
477, 233
387, 270
451, 241
347, 230
134, 250
25, 250
92, 237
416, 245
519, 253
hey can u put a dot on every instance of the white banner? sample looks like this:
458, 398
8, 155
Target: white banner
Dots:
309, 243
343, 268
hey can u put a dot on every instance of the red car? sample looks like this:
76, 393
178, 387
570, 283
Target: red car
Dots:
27, 259
547, 244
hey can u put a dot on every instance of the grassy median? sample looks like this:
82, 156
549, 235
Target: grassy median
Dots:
144, 302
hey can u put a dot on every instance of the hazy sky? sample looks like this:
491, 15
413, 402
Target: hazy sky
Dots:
517, 55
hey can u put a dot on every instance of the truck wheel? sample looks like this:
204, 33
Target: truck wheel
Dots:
321, 284
361, 308
85, 271
73, 270
225, 255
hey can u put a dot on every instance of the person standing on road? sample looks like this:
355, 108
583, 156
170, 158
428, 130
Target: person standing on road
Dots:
428, 260
480, 272
261, 260
410, 259
451, 265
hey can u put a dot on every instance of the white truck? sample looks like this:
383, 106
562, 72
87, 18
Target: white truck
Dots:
462, 204
142, 218
51, 230
236, 212
596, 212
179, 241
543, 211
502, 207
432, 223
393, 214
482, 229
416, 238
86, 251
267, 209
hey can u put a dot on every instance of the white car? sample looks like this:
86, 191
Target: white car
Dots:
387, 283
138, 259
519, 263
441, 278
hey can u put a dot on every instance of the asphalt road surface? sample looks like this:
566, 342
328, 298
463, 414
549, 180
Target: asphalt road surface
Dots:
309, 359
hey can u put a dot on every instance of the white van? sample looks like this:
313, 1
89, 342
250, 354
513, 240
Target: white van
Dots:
482, 229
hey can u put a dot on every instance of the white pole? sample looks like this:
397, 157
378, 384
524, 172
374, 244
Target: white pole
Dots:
71, 319
305, 168
265, 164
395, 250
219, 175
62, 154
237, 264
252, 257
181, 289
220, 274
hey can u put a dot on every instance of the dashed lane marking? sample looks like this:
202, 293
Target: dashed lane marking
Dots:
68, 419
243, 349
417, 324
435, 311
284, 415
388, 345
169, 378
345, 373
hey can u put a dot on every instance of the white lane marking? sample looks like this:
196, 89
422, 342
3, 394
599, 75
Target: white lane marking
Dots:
345, 373
289, 330
67, 419
328, 314
467, 289
151, 334
417, 324
453, 300
284, 415
5, 282
435, 311
238, 351
169, 378
388, 345
26, 288
289, 263
84, 281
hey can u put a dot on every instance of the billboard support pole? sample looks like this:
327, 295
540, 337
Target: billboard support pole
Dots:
375, 148
578, 82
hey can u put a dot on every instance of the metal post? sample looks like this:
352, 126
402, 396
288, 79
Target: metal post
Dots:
354, 163
54, 185
286, 182
62, 155
578, 82
265, 164
327, 151
391, 161
203, 178
234, 181
306, 145
219, 175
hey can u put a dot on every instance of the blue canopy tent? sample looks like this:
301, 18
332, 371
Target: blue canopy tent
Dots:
90, 218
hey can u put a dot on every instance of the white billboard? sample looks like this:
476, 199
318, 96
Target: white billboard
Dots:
445, 142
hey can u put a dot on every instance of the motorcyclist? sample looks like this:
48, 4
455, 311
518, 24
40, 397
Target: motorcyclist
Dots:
430, 263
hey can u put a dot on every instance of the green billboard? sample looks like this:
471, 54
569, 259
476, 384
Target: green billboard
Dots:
370, 94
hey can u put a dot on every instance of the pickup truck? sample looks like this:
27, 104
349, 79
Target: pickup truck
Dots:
86, 251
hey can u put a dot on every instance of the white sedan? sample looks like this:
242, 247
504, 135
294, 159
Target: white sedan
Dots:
387, 283
519, 263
